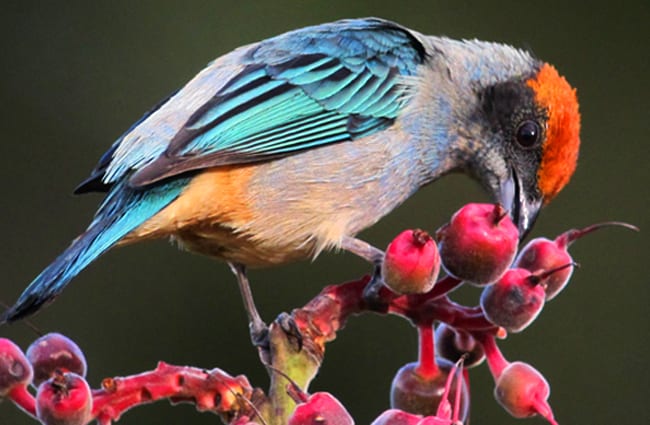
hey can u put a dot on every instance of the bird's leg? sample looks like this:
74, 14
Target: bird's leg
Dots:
362, 249
258, 329
374, 256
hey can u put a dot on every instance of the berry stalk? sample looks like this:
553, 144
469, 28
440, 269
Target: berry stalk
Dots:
427, 366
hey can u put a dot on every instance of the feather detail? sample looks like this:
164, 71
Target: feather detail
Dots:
122, 211
301, 90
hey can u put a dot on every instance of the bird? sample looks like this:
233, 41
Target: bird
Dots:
291, 146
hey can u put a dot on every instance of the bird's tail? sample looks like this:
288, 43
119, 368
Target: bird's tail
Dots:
123, 210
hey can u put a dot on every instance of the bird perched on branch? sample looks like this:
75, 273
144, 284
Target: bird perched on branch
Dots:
290, 146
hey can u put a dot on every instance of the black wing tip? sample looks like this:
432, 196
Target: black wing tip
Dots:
9, 317
5, 318
21, 310
92, 184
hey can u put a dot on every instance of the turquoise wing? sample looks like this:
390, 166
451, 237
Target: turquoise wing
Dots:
301, 90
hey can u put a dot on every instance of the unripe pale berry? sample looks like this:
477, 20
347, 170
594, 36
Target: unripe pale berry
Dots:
514, 301
523, 391
411, 263
15, 369
320, 409
544, 254
64, 399
452, 344
418, 394
478, 244
53, 352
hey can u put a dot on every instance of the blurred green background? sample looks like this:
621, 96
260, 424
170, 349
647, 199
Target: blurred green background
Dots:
75, 75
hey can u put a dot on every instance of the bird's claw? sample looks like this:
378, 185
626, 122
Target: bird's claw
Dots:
259, 332
372, 292
290, 328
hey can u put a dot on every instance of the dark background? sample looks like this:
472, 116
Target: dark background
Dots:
74, 75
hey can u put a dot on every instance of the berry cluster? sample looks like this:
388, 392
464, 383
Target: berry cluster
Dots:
478, 246
56, 367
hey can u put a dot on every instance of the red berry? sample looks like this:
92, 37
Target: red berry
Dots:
514, 301
452, 344
411, 264
418, 394
523, 391
15, 369
544, 254
64, 399
53, 352
478, 244
397, 417
321, 409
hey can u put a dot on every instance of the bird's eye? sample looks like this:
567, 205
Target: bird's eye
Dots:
528, 133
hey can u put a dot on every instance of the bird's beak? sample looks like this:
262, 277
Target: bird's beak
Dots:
523, 210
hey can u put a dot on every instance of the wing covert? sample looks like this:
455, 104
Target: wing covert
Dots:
308, 88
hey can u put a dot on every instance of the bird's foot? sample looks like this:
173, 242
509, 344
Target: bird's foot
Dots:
261, 336
290, 328
259, 332
374, 292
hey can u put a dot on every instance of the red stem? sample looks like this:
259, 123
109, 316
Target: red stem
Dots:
460, 375
544, 410
427, 366
570, 236
495, 359
212, 390
325, 314
24, 400
443, 286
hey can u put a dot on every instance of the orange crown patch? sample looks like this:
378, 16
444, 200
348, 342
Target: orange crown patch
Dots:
560, 150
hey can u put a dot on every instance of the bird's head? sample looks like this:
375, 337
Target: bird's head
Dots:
529, 141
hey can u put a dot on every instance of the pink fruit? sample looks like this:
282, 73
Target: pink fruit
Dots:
321, 409
523, 391
452, 344
544, 254
418, 394
514, 301
64, 399
478, 244
53, 352
15, 370
411, 263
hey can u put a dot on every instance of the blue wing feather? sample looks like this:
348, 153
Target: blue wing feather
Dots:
321, 78
123, 210
301, 90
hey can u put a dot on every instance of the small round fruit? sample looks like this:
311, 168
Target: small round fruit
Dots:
478, 244
64, 399
53, 352
321, 409
411, 263
514, 301
523, 391
452, 344
414, 393
15, 369
545, 254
